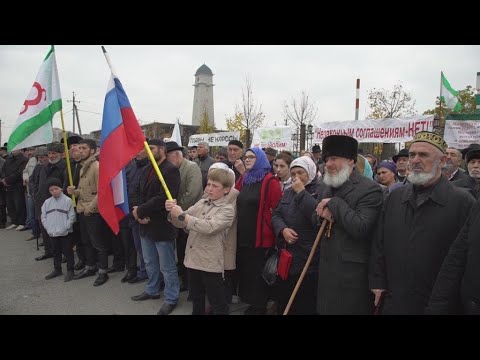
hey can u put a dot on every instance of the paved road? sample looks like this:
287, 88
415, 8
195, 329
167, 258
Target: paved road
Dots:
24, 290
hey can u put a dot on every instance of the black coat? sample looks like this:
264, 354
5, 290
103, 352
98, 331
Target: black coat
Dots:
468, 183
152, 199
412, 242
12, 170
343, 266
459, 278
459, 175
295, 211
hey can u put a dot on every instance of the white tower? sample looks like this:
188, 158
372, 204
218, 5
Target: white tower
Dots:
203, 96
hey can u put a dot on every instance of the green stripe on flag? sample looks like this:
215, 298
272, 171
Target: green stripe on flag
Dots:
447, 86
27, 128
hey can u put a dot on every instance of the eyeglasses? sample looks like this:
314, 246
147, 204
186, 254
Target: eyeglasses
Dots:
250, 157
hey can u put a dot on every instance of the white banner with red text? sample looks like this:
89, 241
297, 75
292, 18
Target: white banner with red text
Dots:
215, 139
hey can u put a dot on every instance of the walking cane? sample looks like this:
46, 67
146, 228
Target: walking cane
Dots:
305, 268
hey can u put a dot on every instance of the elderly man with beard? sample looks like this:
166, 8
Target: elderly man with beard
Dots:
352, 203
419, 223
472, 182
451, 168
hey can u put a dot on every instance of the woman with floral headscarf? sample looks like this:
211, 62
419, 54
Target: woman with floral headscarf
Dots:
260, 193
296, 231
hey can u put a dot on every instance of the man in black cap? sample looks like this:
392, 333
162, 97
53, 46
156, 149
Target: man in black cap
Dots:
75, 166
190, 192
472, 181
419, 222
54, 168
401, 162
352, 203
473, 146
157, 234
12, 180
271, 153
235, 162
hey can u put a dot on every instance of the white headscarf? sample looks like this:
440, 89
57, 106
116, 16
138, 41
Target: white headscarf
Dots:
306, 163
223, 166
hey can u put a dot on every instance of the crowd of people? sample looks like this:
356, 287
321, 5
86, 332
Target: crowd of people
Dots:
401, 235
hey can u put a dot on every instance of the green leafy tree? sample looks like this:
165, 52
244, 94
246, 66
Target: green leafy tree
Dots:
236, 123
466, 97
205, 126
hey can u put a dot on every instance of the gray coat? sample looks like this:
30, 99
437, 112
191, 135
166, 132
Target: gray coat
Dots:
344, 256
191, 189
412, 243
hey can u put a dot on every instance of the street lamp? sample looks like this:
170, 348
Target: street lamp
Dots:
309, 136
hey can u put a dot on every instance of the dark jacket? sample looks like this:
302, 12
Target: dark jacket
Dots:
47, 171
343, 266
12, 170
458, 281
152, 201
412, 243
470, 184
295, 212
459, 175
133, 170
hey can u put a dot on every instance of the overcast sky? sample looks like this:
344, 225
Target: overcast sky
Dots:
158, 79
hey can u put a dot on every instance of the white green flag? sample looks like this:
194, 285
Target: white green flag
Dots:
449, 96
34, 124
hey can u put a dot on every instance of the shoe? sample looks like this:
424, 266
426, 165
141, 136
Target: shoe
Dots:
80, 265
144, 296
20, 227
114, 269
25, 228
44, 257
69, 276
13, 226
101, 279
137, 280
2, 226
31, 237
64, 259
53, 274
84, 273
166, 309
129, 276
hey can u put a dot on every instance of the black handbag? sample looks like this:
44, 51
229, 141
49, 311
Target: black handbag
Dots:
269, 273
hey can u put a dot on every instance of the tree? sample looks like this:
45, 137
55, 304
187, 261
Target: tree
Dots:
300, 111
235, 123
252, 114
205, 126
466, 97
389, 104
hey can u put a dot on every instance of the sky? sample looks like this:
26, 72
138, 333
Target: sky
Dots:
158, 79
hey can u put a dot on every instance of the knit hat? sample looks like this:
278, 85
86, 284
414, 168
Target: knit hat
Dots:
388, 165
472, 154
53, 181
316, 149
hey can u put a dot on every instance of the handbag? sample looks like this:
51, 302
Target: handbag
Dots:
284, 262
269, 273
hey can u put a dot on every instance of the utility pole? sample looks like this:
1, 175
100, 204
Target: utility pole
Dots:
75, 111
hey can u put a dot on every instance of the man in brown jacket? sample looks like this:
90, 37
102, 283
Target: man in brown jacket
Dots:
89, 217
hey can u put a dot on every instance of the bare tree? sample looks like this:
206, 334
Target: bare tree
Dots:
390, 104
252, 114
299, 111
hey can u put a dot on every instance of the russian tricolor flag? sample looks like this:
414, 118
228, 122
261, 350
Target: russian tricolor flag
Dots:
121, 139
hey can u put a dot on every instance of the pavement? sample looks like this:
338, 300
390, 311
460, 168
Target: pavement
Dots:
24, 290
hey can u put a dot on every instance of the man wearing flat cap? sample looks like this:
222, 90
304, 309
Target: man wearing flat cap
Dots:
419, 222
271, 153
472, 182
352, 203
157, 234
54, 168
189, 193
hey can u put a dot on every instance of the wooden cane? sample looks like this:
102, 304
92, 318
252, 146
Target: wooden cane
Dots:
305, 268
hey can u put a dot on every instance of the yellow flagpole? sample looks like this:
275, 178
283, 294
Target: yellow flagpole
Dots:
157, 170
67, 157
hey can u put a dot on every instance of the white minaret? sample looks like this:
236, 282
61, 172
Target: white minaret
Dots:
203, 96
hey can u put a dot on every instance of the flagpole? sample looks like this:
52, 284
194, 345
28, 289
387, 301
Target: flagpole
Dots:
440, 117
67, 156
145, 144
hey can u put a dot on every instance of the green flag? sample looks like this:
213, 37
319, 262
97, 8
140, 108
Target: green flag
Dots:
34, 124
449, 96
